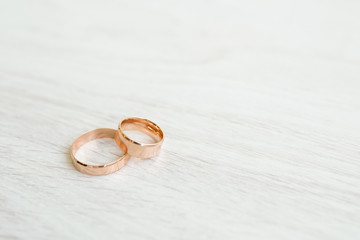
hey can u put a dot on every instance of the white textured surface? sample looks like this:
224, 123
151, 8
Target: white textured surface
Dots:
259, 102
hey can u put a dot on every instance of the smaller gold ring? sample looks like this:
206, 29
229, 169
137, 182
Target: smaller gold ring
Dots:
137, 149
98, 169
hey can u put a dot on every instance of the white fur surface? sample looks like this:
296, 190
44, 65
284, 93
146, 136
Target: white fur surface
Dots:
259, 102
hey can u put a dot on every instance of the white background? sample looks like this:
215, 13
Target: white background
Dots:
259, 102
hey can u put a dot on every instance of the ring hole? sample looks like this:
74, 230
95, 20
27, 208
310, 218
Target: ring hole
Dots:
99, 152
139, 137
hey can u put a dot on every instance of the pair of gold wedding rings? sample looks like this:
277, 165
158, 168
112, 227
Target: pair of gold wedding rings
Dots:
129, 146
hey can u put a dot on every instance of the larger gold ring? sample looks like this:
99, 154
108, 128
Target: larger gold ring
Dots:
137, 149
98, 169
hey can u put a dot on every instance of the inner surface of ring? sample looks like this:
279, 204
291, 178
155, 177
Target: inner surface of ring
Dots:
143, 126
92, 135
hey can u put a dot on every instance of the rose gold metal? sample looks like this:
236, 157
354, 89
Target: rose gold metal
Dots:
136, 149
98, 169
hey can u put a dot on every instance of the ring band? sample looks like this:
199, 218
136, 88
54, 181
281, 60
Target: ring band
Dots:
98, 169
136, 149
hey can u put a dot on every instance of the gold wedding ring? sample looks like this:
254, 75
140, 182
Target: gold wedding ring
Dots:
129, 146
137, 149
98, 169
